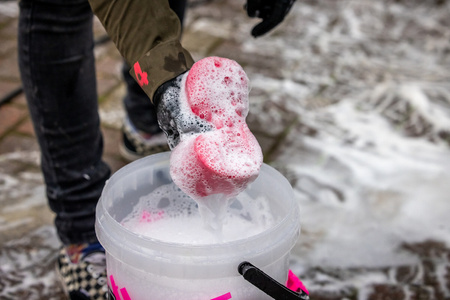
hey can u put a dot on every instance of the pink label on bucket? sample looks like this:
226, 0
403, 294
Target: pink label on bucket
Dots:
295, 284
122, 294
223, 297
118, 294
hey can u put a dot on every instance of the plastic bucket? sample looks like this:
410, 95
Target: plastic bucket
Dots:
142, 268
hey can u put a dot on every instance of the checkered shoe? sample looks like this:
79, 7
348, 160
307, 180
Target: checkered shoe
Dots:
86, 279
136, 144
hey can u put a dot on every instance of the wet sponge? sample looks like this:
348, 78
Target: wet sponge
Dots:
227, 158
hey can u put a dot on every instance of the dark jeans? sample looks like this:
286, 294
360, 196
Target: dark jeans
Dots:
57, 67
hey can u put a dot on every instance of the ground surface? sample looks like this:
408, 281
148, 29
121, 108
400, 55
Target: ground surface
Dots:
350, 100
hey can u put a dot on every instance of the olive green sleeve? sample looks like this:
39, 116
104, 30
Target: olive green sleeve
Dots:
147, 34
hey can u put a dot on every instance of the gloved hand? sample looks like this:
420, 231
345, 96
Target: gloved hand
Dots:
170, 118
272, 13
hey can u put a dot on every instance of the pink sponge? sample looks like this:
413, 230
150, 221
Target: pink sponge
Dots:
226, 159
217, 90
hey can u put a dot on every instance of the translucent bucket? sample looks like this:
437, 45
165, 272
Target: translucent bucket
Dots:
142, 268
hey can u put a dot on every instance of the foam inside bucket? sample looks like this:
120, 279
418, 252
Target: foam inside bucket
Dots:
141, 267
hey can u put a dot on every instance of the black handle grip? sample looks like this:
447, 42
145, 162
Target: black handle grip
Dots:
267, 284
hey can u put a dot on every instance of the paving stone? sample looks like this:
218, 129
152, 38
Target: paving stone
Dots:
9, 68
20, 99
112, 139
254, 62
111, 111
26, 128
201, 44
98, 29
105, 86
7, 86
4, 18
108, 70
9, 29
110, 62
8, 10
10, 117
24, 212
203, 36
17, 143
107, 49
7, 46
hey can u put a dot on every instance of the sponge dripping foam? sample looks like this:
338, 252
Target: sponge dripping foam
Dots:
215, 165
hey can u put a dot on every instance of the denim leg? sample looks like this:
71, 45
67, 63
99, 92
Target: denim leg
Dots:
57, 67
139, 108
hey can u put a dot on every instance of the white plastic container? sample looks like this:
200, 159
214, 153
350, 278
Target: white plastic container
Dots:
142, 268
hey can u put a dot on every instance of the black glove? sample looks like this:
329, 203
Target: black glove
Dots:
272, 13
170, 118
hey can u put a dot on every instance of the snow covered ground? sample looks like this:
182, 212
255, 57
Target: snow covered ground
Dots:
351, 102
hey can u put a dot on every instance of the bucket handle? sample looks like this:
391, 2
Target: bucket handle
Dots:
269, 285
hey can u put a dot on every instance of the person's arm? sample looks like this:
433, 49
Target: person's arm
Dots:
147, 34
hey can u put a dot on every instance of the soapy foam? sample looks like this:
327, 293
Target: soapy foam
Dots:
210, 83
169, 215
